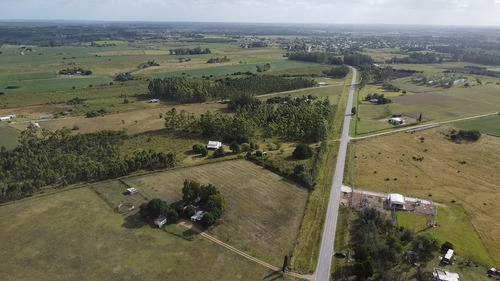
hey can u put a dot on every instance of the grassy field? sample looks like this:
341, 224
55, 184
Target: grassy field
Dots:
466, 173
263, 212
455, 227
488, 125
8, 137
74, 234
435, 106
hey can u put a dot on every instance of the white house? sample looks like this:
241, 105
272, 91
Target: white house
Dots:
198, 215
445, 275
214, 144
161, 221
396, 201
154, 101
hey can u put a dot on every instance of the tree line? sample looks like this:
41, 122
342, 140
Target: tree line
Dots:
184, 90
355, 59
418, 58
60, 158
188, 51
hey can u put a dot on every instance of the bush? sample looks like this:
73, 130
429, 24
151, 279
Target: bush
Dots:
271, 146
198, 148
220, 152
245, 147
302, 151
258, 153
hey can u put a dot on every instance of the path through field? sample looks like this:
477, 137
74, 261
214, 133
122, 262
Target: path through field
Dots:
190, 225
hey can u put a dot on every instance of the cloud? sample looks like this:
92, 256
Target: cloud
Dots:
455, 12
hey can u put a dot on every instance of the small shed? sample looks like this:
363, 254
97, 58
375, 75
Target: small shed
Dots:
448, 256
396, 121
214, 145
396, 201
132, 190
160, 222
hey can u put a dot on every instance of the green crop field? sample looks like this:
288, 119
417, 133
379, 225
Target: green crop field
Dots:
263, 212
489, 125
51, 85
465, 173
230, 69
74, 234
8, 137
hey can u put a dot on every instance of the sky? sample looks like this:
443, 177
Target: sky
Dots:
428, 12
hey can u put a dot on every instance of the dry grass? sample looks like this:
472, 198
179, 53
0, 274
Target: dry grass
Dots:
466, 173
263, 212
74, 235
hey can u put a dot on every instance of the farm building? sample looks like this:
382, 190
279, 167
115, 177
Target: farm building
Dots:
322, 84
198, 215
396, 121
161, 221
445, 275
448, 256
396, 201
132, 190
214, 144
154, 101
34, 125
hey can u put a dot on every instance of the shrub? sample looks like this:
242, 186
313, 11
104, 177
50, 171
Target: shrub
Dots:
220, 152
245, 147
198, 148
271, 146
258, 153
302, 151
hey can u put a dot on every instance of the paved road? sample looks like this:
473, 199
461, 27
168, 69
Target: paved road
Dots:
326, 252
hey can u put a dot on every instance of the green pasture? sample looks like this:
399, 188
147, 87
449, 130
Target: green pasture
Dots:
77, 234
258, 60
51, 85
230, 69
454, 225
488, 125
6, 77
8, 137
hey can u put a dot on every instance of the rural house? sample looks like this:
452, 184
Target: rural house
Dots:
161, 221
214, 144
198, 215
396, 201
445, 275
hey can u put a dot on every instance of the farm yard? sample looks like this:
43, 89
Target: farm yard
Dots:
77, 234
263, 213
445, 172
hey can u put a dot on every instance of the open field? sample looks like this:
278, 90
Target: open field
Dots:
466, 173
455, 227
8, 137
76, 234
435, 106
51, 85
488, 125
263, 212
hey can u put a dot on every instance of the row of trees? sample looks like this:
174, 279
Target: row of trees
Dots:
317, 57
299, 122
218, 60
183, 90
379, 97
337, 72
74, 71
61, 158
187, 51
418, 58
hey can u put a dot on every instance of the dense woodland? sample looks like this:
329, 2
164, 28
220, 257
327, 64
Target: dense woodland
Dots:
318, 57
184, 90
188, 51
298, 122
60, 158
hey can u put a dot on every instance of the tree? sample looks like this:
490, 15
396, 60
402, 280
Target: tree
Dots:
235, 147
420, 118
220, 152
206, 191
425, 243
217, 201
353, 111
285, 264
190, 191
207, 220
302, 151
157, 207
172, 216
188, 212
